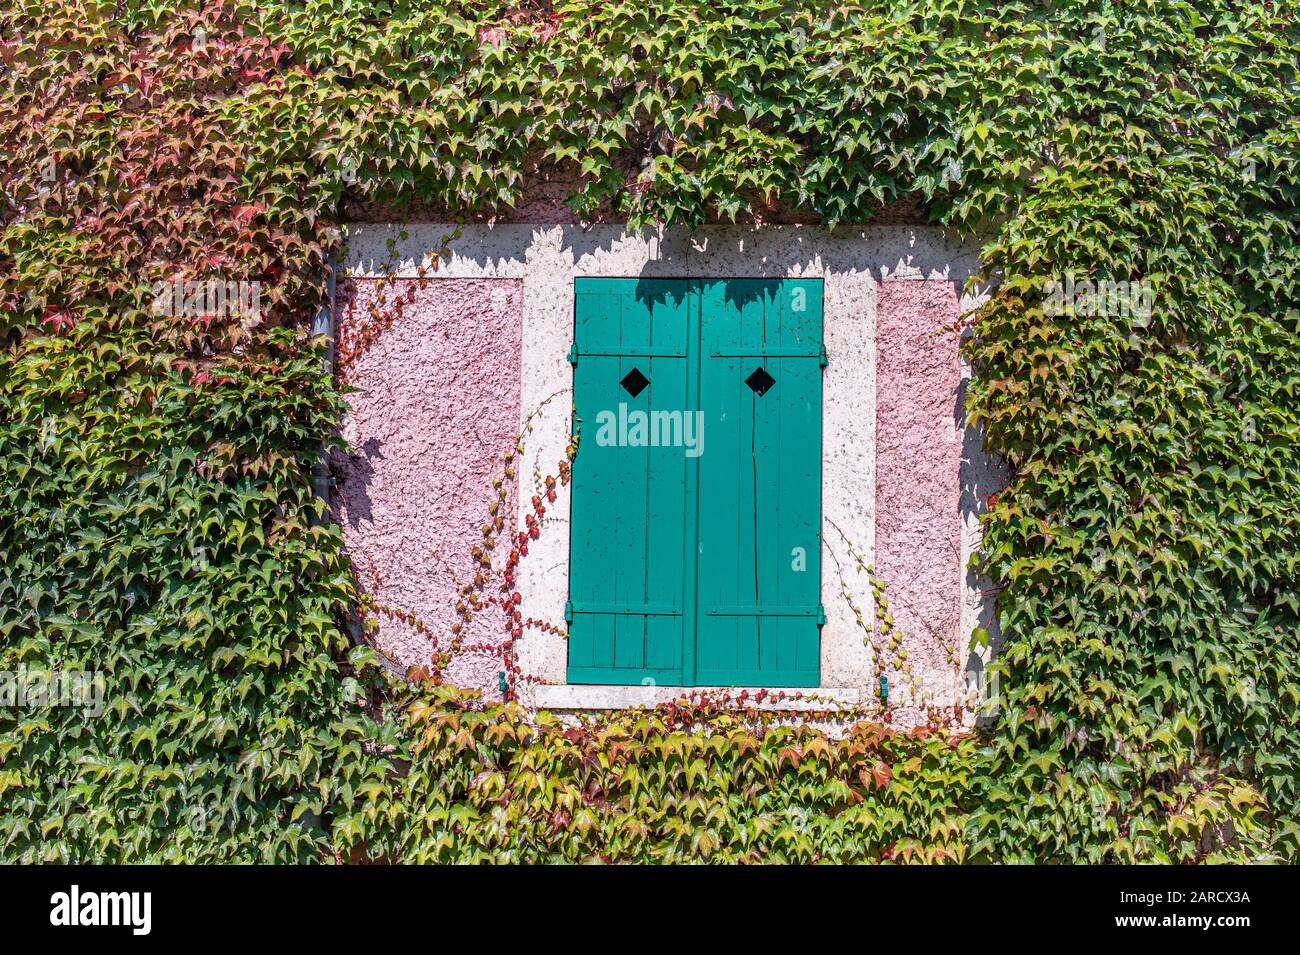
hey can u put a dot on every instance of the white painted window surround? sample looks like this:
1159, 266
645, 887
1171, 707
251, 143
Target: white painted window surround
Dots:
547, 258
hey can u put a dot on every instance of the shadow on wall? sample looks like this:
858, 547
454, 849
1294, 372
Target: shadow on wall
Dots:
981, 476
737, 294
787, 251
357, 469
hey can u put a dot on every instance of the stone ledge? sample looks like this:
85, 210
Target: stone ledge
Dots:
591, 697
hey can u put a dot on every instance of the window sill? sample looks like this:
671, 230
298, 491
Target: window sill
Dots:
592, 697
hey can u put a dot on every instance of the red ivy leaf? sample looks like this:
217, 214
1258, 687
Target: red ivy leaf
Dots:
59, 317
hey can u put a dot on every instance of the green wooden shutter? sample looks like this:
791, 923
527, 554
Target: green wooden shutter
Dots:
626, 592
760, 484
698, 570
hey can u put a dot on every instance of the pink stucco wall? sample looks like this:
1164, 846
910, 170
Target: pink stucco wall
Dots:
438, 404
437, 407
918, 465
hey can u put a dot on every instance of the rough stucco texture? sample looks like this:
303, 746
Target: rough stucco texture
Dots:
918, 461
437, 407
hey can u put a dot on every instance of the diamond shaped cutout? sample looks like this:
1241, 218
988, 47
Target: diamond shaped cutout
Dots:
760, 381
634, 382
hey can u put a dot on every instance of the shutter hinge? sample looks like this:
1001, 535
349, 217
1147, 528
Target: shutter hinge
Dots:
825, 358
821, 616
568, 611
573, 354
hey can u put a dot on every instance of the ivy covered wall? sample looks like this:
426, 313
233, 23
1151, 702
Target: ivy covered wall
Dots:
158, 530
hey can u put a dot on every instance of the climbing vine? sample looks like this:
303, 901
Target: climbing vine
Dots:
169, 199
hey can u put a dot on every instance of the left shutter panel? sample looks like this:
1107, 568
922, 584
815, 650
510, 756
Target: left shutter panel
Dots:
626, 580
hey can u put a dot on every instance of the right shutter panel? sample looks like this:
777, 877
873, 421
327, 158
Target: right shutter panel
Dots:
760, 483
